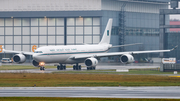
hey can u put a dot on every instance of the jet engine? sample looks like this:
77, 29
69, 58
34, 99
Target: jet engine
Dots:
35, 63
19, 58
127, 58
91, 62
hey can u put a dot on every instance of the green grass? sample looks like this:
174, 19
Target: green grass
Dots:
78, 99
74, 80
112, 71
135, 77
16, 67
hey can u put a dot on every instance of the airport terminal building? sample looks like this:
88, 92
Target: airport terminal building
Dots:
24, 23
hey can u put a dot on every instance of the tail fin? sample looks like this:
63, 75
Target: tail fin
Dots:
107, 33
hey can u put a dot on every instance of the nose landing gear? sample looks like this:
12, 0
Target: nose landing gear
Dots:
42, 68
41, 65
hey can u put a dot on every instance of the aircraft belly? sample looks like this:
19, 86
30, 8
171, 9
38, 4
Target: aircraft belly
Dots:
52, 58
72, 61
44, 58
59, 58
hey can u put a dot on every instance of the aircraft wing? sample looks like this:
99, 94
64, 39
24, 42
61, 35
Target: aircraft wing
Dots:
20, 52
96, 55
125, 45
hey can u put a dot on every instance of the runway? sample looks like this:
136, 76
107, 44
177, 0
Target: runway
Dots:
98, 92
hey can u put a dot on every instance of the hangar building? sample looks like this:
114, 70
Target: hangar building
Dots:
24, 23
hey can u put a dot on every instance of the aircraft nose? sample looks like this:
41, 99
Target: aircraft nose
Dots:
35, 57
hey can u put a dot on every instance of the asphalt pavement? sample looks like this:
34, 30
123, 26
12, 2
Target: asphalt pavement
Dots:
98, 92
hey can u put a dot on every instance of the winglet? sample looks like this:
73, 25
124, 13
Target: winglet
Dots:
174, 48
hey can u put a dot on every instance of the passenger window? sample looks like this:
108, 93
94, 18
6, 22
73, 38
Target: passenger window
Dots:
38, 52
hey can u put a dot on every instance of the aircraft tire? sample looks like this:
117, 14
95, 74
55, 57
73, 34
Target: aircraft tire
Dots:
64, 67
74, 67
79, 67
91, 68
42, 68
61, 67
57, 67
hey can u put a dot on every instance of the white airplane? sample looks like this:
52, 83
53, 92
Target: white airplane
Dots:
74, 54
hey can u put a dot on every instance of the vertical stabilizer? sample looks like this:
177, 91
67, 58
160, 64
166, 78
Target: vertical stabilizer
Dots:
107, 33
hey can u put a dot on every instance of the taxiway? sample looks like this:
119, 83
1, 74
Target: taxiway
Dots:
106, 66
98, 92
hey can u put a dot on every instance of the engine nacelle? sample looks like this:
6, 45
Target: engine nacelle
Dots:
127, 58
35, 63
19, 58
91, 62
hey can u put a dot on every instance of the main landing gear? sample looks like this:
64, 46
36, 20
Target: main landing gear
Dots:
76, 67
42, 68
61, 67
91, 68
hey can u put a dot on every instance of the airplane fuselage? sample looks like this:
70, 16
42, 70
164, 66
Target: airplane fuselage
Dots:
63, 54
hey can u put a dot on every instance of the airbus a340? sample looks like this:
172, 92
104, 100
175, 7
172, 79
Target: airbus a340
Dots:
75, 54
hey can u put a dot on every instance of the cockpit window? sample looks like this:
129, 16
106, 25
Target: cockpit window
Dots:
38, 52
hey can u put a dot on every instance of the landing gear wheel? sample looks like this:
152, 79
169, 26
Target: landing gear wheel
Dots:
91, 68
42, 68
61, 67
79, 67
88, 68
64, 67
58, 67
76, 67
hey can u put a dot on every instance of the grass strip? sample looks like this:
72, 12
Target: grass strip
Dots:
112, 71
78, 99
16, 67
74, 80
